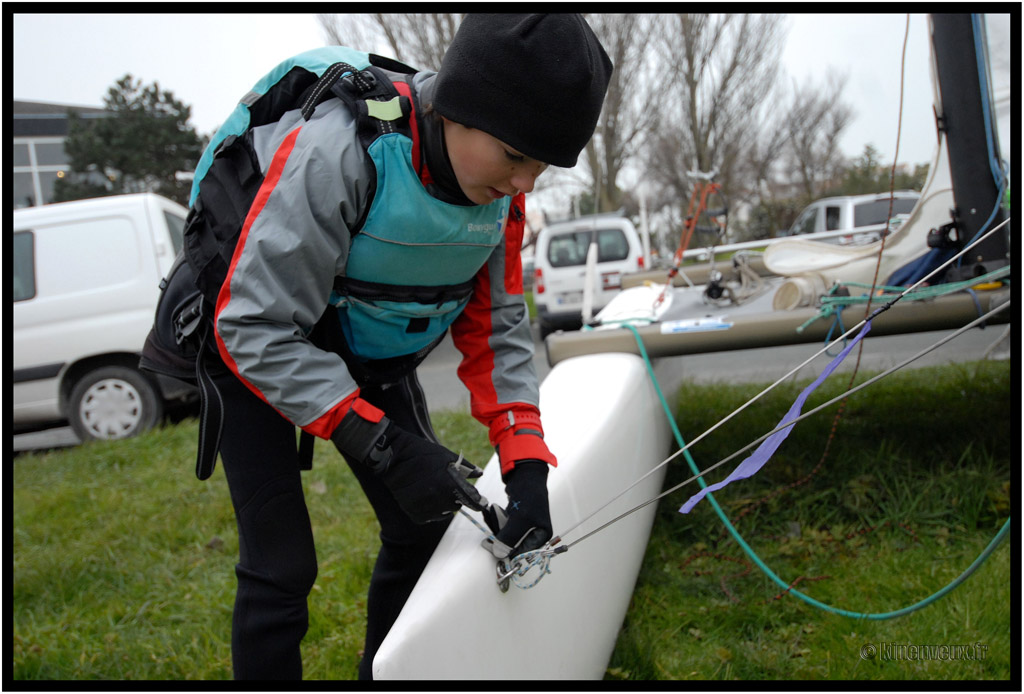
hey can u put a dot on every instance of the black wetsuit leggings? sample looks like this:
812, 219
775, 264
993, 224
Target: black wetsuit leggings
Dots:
277, 564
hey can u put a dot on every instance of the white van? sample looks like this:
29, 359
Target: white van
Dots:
86, 281
560, 267
852, 219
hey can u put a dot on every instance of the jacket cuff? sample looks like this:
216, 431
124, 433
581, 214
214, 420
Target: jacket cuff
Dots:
325, 426
513, 420
359, 431
518, 435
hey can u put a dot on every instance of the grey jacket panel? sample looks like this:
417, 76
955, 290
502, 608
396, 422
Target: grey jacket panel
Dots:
514, 377
286, 263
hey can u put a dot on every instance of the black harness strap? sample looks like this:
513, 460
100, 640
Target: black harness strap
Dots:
306, 441
211, 414
211, 417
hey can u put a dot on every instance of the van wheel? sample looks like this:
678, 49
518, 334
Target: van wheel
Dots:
113, 402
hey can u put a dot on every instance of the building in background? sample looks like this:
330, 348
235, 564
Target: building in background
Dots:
39, 158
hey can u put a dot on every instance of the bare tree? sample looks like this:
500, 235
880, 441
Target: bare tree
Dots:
419, 40
628, 109
719, 74
816, 119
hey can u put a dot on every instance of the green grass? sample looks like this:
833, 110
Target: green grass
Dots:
531, 304
916, 483
123, 563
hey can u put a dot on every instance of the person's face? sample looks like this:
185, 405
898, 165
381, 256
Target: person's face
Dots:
485, 167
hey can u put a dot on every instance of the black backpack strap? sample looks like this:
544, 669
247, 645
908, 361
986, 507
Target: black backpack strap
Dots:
391, 64
211, 412
321, 90
211, 417
370, 95
306, 441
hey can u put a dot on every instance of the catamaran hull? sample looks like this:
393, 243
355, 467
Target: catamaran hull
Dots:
604, 422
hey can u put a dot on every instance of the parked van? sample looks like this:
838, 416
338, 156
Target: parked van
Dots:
560, 266
862, 217
86, 282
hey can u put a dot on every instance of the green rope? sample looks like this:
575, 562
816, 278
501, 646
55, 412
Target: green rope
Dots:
1000, 536
834, 305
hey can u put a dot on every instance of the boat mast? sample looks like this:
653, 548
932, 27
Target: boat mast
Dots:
961, 115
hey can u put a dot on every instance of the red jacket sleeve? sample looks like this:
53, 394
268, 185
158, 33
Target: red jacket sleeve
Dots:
493, 334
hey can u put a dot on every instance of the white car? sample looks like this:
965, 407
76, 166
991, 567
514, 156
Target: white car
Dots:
86, 281
852, 219
560, 267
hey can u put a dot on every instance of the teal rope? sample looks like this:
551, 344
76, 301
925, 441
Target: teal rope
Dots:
831, 304
1000, 536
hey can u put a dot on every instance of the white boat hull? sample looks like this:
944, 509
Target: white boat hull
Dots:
603, 421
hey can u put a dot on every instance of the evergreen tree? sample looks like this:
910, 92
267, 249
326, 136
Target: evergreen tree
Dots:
869, 174
140, 147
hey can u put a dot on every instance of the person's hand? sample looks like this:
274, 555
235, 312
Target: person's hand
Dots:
525, 524
428, 481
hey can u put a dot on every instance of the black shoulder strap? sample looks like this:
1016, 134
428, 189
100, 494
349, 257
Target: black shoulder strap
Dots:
321, 90
391, 64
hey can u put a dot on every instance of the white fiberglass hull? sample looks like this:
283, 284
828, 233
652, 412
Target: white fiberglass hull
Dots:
604, 422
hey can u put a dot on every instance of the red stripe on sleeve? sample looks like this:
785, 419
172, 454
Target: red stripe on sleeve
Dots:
224, 297
471, 333
325, 425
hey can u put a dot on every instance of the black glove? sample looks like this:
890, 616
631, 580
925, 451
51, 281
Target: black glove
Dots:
427, 480
525, 524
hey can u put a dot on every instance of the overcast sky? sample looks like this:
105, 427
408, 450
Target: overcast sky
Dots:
210, 60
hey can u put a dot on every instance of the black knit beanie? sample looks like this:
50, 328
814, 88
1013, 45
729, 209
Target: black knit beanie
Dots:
534, 81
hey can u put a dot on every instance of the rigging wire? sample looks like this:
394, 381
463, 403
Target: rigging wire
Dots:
789, 587
768, 389
841, 410
698, 475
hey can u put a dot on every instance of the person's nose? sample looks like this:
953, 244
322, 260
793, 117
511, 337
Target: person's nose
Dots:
523, 180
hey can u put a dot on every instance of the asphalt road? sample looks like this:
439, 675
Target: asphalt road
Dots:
445, 392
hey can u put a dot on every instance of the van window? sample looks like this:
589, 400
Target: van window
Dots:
877, 211
88, 254
569, 249
611, 245
804, 224
176, 228
832, 218
24, 266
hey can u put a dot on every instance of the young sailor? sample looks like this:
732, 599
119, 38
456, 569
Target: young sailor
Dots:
355, 257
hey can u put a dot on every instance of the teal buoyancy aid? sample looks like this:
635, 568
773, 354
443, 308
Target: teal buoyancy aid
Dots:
410, 268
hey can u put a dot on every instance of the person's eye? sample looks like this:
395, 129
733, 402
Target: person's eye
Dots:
512, 156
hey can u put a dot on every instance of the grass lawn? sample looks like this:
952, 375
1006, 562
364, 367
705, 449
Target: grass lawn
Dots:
915, 484
123, 563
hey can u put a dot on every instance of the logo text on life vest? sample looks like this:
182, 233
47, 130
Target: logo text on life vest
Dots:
486, 228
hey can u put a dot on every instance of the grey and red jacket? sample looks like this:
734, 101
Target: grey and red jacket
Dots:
369, 231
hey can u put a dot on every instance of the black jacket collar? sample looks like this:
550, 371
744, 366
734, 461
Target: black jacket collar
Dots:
434, 151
